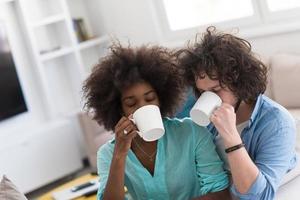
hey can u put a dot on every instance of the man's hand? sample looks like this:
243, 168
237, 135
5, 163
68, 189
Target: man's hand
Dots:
224, 119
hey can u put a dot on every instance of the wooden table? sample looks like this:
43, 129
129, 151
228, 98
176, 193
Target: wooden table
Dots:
77, 181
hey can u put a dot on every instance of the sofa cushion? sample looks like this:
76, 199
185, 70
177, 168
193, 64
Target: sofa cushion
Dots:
8, 191
94, 136
285, 70
298, 136
289, 191
266, 61
296, 114
291, 175
296, 171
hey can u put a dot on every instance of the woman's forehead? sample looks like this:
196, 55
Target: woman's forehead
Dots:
139, 88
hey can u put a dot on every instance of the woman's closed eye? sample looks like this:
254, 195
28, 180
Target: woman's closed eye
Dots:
150, 97
130, 102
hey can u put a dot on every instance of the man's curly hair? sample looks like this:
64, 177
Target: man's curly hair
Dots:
226, 58
125, 66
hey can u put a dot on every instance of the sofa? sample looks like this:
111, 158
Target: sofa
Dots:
94, 137
283, 87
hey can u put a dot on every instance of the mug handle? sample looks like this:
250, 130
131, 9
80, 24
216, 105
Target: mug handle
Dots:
133, 121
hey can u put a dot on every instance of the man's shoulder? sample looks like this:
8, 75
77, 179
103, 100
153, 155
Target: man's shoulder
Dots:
273, 111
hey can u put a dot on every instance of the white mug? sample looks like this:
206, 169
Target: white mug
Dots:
204, 107
149, 122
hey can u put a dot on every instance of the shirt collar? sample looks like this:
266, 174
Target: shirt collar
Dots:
113, 140
256, 109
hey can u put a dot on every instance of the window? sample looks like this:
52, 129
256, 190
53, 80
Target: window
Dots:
278, 5
179, 18
183, 14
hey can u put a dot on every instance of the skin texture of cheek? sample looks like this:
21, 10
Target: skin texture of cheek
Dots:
207, 84
227, 97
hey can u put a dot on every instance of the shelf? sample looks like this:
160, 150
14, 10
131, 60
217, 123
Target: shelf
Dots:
56, 54
49, 20
38, 10
64, 84
89, 19
90, 56
52, 36
68, 39
93, 42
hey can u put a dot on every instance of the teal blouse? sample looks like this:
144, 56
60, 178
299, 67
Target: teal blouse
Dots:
186, 165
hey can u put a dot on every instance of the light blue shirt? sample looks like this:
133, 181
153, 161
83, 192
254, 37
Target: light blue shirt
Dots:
186, 165
269, 139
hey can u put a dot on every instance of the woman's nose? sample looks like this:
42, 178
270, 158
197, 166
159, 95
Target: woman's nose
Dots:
143, 103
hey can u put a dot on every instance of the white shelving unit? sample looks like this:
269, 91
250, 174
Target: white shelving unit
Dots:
63, 56
49, 20
47, 149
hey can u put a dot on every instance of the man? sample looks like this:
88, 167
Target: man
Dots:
255, 135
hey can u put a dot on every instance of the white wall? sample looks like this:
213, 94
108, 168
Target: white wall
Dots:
279, 43
129, 20
136, 20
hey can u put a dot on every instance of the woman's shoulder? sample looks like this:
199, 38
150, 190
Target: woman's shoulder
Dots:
106, 150
185, 127
186, 122
178, 124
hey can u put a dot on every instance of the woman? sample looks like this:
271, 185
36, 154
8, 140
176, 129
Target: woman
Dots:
255, 136
182, 164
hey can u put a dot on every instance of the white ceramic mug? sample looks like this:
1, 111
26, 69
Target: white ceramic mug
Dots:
149, 122
204, 107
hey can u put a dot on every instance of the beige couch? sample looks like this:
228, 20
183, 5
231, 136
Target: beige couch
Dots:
94, 136
283, 87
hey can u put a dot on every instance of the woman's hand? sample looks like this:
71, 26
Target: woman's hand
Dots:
224, 119
125, 131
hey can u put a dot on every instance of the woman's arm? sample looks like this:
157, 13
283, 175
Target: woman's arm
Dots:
209, 167
115, 183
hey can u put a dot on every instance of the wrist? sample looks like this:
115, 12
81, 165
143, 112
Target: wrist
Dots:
234, 148
231, 143
232, 139
119, 155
